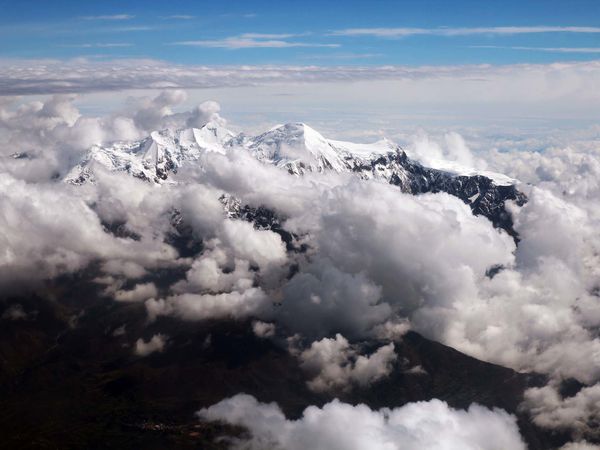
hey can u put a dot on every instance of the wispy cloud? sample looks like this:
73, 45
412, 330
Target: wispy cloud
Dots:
178, 17
127, 29
23, 77
460, 31
543, 49
269, 35
254, 40
109, 17
243, 16
343, 56
99, 45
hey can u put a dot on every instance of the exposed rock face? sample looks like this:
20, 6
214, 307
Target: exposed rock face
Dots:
482, 194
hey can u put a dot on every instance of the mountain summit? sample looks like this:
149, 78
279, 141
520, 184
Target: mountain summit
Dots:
298, 148
154, 157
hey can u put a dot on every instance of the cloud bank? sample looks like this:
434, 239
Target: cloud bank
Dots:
35, 77
430, 425
375, 261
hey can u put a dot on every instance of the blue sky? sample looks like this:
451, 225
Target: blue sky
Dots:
433, 32
381, 66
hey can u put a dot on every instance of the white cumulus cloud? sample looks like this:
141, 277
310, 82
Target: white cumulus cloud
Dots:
416, 426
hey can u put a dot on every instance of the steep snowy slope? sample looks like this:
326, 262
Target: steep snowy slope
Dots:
153, 158
298, 148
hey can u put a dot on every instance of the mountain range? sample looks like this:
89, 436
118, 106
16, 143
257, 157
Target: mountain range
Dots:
297, 148
131, 401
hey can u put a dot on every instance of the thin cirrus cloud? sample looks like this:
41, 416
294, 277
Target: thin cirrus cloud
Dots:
254, 40
35, 77
127, 29
178, 17
343, 56
270, 35
99, 45
459, 31
542, 49
109, 17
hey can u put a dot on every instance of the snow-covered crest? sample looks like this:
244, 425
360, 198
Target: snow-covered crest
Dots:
155, 156
299, 149
295, 147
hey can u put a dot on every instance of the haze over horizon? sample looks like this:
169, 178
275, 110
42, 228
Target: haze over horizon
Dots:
518, 67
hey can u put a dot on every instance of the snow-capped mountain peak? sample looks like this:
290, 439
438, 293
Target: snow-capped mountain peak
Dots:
296, 146
187, 143
212, 137
298, 149
382, 146
154, 157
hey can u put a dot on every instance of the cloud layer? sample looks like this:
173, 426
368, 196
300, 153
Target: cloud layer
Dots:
30, 77
431, 425
375, 262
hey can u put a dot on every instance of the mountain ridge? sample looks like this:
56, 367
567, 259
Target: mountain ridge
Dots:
299, 149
